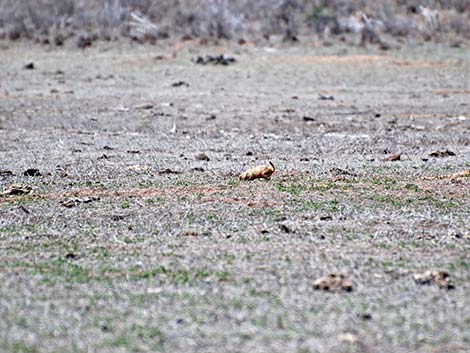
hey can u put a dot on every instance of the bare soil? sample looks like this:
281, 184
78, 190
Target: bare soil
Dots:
129, 243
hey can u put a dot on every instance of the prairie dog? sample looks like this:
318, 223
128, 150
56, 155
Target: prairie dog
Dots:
259, 172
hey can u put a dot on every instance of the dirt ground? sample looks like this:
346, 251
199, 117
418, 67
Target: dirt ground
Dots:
138, 237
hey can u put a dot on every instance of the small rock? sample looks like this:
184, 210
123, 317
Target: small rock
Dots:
284, 228
348, 337
323, 97
59, 39
215, 60
202, 157
29, 66
85, 41
325, 217
442, 153
32, 172
117, 217
333, 282
288, 110
145, 106
133, 151
104, 77
341, 172
249, 153
190, 233
394, 157
179, 84
308, 118
439, 278
16, 190
212, 117
169, 171
6, 172
365, 316
71, 256
89, 199
72, 202
138, 168
69, 203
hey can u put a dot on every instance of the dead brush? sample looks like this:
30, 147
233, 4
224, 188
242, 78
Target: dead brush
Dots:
259, 172
144, 30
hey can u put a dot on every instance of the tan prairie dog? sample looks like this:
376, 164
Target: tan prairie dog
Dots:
259, 172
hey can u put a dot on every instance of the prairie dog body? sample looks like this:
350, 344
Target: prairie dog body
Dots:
259, 172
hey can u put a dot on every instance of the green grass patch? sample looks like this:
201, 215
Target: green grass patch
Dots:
125, 204
154, 201
293, 188
19, 229
273, 298
139, 338
461, 264
385, 182
394, 201
324, 186
179, 276
18, 347
310, 205
61, 270
412, 187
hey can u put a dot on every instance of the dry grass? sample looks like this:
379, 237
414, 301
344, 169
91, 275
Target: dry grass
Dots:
162, 251
53, 22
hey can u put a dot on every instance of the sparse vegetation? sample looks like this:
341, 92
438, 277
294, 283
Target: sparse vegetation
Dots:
56, 22
127, 242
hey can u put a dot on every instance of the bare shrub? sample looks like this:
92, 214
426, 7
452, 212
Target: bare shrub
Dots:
230, 19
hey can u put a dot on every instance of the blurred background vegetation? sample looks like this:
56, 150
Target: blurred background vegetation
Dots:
83, 22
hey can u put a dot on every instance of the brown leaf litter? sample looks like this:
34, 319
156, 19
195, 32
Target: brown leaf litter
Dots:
202, 157
451, 91
16, 189
75, 201
453, 176
339, 174
333, 282
72, 198
442, 153
392, 158
439, 278
259, 172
